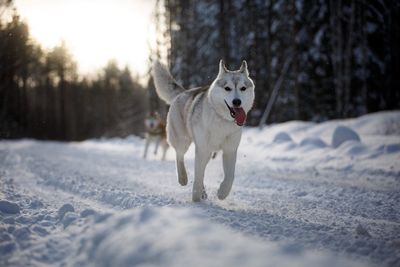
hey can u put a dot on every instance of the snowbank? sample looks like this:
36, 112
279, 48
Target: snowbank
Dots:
282, 137
180, 237
343, 134
362, 145
313, 142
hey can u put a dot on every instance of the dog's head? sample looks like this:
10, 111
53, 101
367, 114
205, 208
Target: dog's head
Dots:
232, 93
152, 121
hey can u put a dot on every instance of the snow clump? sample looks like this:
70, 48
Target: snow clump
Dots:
343, 134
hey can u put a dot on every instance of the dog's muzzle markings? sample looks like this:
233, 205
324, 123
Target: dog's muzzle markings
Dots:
237, 113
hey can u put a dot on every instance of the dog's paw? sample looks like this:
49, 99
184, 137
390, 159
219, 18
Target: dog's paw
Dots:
204, 195
199, 195
196, 198
183, 180
222, 194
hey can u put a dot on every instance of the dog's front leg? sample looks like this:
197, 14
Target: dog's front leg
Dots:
157, 144
201, 159
229, 162
146, 147
165, 148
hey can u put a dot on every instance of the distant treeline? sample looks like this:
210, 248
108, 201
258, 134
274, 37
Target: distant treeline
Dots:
332, 59
342, 57
42, 96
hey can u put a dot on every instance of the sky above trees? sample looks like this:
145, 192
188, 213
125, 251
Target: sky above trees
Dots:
93, 31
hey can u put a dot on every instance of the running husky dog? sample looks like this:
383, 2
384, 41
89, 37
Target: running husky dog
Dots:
155, 132
212, 117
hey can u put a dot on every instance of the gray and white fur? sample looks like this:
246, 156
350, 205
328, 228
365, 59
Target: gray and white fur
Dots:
204, 116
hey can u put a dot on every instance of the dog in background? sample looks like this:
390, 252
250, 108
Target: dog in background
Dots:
155, 133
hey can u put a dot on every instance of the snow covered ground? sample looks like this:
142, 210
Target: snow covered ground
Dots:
296, 201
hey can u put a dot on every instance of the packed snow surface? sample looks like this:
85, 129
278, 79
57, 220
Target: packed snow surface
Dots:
299, 199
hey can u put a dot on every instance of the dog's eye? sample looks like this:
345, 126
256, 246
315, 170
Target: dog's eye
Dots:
243, 88
228, 89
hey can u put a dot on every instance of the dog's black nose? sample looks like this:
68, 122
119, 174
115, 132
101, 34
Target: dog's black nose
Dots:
236, 102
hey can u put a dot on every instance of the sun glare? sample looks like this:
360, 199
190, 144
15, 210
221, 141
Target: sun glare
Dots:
94, 31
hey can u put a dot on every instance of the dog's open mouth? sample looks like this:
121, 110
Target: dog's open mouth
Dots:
238, 114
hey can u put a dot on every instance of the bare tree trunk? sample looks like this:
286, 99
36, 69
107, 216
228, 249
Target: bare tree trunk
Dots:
337, 53
224, 32
295, 70
347, 64
364, 88
63, 128
24, 104
168, 32
268, 59
275, 91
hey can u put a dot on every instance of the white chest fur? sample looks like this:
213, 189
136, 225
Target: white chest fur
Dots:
212, 132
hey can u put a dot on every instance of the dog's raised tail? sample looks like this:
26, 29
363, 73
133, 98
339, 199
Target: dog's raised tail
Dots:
167, 88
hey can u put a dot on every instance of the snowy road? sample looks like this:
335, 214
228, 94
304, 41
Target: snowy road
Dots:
294, 202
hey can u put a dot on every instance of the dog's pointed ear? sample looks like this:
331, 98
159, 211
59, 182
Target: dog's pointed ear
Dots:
222, 67
243, 68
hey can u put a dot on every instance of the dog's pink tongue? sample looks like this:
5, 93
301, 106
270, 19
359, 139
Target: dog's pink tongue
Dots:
240, 116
